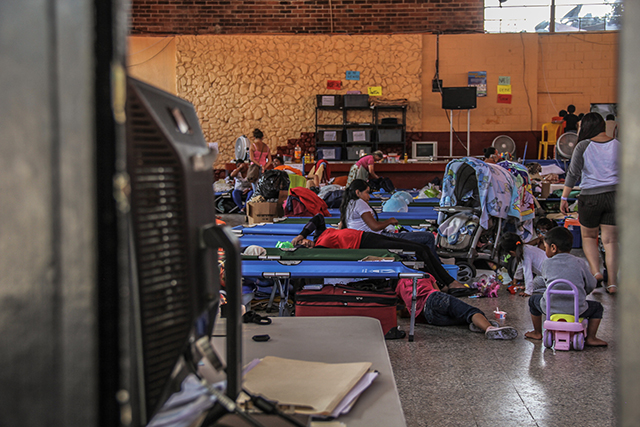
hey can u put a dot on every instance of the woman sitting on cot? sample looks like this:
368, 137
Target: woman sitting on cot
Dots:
347, 238
356, 213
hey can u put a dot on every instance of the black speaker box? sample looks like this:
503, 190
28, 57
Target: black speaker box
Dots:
459, 98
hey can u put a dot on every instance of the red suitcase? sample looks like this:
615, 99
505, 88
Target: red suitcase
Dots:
341, 300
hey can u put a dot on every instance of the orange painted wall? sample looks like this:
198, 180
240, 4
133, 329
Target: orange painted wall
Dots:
153, 60
577, 69
513, 55
548, 72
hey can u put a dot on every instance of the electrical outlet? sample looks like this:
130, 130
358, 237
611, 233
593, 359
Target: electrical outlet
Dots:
436, 85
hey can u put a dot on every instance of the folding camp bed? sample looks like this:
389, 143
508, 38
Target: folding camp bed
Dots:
405, 222
415, 203
284, 229
420, 213
306, 269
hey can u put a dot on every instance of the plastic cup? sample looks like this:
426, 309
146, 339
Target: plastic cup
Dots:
500, 315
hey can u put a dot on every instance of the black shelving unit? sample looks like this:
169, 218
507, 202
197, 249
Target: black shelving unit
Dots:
347, 134
390, 134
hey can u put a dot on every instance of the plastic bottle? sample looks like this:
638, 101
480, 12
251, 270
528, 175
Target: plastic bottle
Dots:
297, 154
406, 158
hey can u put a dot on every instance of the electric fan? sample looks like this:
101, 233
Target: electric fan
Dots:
504, 144
565, 146
242, 148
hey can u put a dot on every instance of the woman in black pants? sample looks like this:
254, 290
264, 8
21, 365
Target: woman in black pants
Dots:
348, 238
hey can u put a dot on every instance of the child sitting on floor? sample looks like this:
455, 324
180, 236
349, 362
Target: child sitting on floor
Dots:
542, 226
562, 265
440, 309
528, 260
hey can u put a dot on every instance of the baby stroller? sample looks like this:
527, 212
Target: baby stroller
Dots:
479, 201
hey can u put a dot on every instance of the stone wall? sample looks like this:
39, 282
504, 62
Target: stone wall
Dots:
270, 82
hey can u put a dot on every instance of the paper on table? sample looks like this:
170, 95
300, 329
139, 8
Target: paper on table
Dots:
348, 401
311, 387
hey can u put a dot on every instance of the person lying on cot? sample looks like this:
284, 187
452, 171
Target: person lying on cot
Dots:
440, 309
347, 238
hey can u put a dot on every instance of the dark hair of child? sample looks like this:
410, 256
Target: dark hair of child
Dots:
257, 133
280, 159
562, 113
592, 125
546, 224
610, 117
571, 109
239, 162
489, 151
349, 195
561, 237
511, 242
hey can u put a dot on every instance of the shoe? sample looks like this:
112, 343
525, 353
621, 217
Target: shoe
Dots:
462, 292
253, 317
474, 328
501, 333
395, 334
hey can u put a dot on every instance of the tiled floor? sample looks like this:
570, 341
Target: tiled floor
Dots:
450, 376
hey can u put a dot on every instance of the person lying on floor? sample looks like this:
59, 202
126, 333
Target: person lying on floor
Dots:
440, 309
347, 238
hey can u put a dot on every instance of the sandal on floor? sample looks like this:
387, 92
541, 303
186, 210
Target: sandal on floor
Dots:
253, 317
612, 287
395, 334
599, 280
462, 292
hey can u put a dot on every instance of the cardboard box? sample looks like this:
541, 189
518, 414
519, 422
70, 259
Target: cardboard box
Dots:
263, 212
546, 190
266, 211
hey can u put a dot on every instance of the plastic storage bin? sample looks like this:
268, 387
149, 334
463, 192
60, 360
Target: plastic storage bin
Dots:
329, 153
358, 101
573, 225
390, 135
358, 135
329, 101
354, 152
330, 135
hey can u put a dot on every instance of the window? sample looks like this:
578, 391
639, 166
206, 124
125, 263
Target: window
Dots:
514, 16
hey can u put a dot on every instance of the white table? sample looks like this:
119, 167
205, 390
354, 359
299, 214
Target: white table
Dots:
332, 340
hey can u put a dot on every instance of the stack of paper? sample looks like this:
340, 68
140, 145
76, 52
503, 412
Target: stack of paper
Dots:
313, 388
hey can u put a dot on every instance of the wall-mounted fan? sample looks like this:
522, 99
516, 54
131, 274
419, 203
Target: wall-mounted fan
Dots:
504, 144
565, 145
242, 148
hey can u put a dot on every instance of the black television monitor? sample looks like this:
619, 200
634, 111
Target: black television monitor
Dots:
175, 283
459, 98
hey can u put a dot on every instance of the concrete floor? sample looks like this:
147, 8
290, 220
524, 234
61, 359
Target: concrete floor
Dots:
450, 376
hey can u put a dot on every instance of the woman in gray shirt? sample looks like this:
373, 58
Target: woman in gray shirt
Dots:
595, 163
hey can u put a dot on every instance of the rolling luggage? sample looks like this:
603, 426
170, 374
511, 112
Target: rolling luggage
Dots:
342, 300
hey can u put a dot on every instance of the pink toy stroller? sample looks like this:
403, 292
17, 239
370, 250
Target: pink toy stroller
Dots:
566, 330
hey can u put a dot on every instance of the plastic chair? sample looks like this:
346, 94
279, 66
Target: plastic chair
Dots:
550, 134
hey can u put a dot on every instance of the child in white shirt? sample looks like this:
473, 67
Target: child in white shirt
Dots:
529, 260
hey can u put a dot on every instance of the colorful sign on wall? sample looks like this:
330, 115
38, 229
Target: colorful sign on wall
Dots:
334, 84
479, 80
